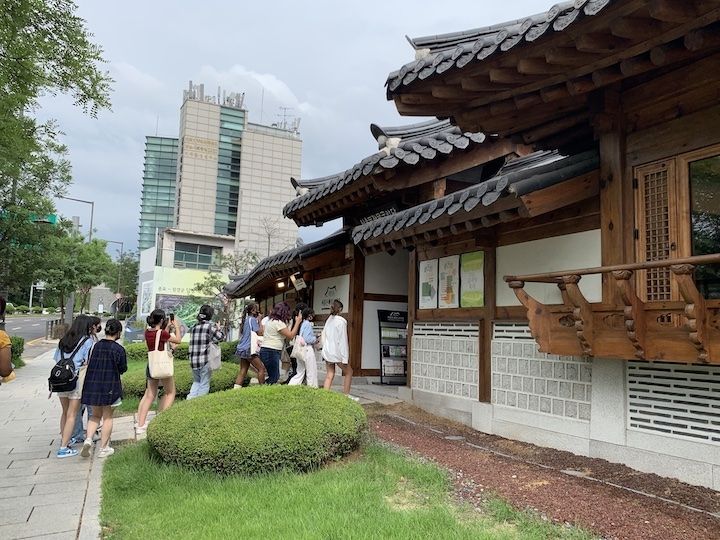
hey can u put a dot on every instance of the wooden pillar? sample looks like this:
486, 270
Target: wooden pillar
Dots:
486, 329
412, 306
616, 219
357, 292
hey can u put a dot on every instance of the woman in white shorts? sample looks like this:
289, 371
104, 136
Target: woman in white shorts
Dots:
76, 343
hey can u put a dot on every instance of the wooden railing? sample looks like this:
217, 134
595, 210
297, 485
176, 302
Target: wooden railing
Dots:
687, 330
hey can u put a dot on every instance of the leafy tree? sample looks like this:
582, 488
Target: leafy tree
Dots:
122, 277
75, 265
45, 49
213, 284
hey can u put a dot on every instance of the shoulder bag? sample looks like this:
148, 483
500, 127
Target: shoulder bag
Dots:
214, 353
160, 363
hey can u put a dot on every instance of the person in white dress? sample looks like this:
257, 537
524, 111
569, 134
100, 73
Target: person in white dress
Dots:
335, 348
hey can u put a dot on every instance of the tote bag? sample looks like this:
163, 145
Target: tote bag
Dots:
214, 356
160, 363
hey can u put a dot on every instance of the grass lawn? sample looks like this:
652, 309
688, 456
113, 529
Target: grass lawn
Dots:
379, 494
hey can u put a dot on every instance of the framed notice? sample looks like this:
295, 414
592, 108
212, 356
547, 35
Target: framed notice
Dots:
328, 289
449, 282
428, 284
472, 279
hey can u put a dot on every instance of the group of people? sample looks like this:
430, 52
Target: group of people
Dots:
99, 363
283, 326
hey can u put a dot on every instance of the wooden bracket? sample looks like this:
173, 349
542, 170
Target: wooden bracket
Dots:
695, 310
537, 314
582, 313
634, 311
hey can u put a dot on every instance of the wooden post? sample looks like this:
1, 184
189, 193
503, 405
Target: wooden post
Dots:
634, 311
582, 313
613, 190
695, 310
486, 329
356, 308
412, 306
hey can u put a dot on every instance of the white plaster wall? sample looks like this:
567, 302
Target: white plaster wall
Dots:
147, 259
387, 274
567, 252
371, 331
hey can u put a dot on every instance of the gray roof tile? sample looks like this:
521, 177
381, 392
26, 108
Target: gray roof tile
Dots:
419, 142
516, 178
461, 49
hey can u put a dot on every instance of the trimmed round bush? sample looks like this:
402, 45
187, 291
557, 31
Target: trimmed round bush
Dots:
134, 382
259, 429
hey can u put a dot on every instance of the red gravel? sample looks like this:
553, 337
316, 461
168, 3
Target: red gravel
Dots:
609, 511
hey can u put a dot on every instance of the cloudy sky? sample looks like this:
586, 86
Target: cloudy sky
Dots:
326, 61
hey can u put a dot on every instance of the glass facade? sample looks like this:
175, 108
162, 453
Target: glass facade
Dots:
158, 192
232, 123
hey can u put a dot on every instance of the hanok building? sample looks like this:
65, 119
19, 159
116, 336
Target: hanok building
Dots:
568, 293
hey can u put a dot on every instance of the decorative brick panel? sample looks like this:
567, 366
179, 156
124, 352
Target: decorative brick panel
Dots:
524, 378
445, 358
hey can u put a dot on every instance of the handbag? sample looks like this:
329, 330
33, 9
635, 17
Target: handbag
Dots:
298, 348
160, 363
214, 356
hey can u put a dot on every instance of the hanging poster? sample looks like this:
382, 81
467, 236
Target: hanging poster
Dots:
428, 284
472, 279
449, 282
147, 300
328, 289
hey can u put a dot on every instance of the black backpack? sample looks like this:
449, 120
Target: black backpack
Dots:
63, 377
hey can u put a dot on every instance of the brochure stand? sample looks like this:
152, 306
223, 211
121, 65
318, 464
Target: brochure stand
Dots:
393, 346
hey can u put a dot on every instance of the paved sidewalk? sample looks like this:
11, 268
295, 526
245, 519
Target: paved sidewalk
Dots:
42, 496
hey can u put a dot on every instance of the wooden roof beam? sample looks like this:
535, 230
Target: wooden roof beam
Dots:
561, 124
703, 38
537, 66
672, 10
510, 75
569, 56
600, 43
637, 28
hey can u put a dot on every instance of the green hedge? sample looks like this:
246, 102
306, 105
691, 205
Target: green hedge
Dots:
18, 346
223, 379
262, 428
137, 352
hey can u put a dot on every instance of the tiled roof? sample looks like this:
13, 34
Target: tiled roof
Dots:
399, 146
519, 177
288, 261
437, 54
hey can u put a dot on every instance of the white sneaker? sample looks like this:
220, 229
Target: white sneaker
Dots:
354, 398
86, 447
106, 452
140, 429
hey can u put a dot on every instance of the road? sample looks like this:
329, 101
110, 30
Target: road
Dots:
28, 327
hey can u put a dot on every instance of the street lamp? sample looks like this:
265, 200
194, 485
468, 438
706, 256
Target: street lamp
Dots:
92, 211
71, 297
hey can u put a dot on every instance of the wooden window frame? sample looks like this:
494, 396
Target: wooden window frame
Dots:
679, 210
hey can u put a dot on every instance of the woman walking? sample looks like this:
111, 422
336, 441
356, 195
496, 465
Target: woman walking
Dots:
335, 348
75, 344
102, 389
275, 332
306, 364
202, 335
157, 322
249, 324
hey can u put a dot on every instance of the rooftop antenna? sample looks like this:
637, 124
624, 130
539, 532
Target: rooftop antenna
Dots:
284, 114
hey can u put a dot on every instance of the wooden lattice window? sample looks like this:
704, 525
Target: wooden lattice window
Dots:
657, 228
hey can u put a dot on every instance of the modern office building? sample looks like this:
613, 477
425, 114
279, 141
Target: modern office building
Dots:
222, 180
158, 193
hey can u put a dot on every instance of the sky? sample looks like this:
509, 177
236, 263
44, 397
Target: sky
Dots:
326, 61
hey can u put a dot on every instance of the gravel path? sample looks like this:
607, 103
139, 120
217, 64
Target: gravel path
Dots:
559, 485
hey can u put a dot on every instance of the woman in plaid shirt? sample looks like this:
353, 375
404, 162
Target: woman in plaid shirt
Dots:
201, 335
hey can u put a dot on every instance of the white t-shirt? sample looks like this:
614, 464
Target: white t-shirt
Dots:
272, 338
335, 340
